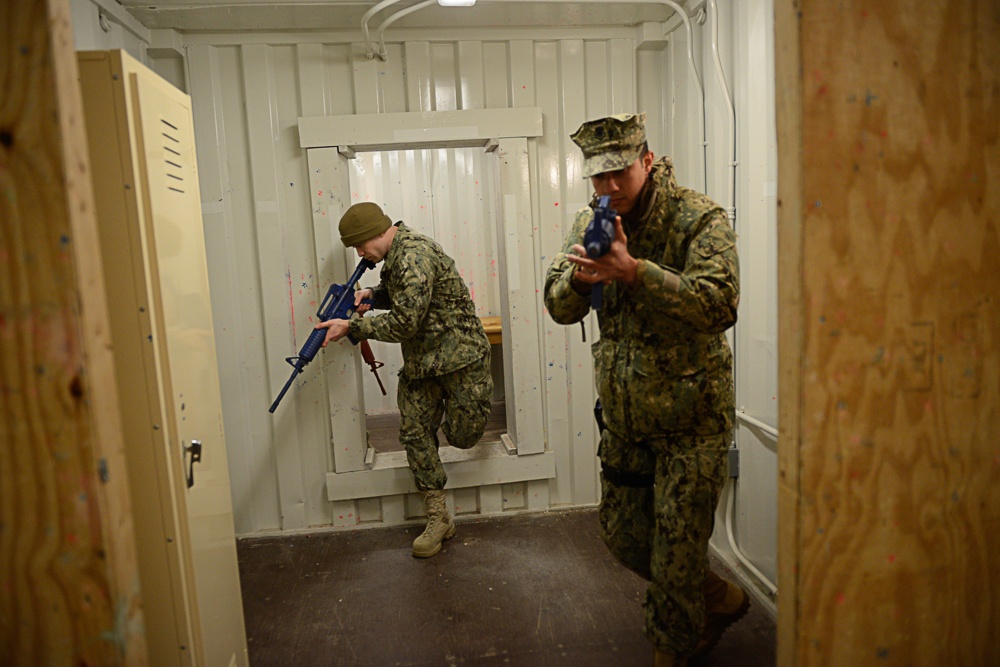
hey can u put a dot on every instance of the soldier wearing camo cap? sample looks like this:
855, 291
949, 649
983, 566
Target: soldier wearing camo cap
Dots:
664, 377
446, 355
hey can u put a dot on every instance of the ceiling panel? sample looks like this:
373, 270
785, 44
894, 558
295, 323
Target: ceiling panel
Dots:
243, 15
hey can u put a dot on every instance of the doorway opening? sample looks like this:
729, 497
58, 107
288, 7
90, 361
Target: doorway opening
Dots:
449, 195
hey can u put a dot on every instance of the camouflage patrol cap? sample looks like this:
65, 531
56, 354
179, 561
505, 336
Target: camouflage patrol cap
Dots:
611, 143
362, 222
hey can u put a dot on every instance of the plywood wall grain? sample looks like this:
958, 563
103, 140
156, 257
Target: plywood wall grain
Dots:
890, 182
68, 579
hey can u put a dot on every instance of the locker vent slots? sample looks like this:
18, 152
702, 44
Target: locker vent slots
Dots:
171, 145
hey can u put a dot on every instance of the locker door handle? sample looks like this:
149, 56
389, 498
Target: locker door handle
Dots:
195, 457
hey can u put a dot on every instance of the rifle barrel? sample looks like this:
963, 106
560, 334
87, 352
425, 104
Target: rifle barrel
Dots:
274, 406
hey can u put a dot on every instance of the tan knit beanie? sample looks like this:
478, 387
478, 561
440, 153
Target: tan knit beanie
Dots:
362, 222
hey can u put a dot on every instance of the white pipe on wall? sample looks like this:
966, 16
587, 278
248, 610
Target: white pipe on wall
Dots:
370, 52
730, 518
670, 3
730, 515
713, 11
744, 417
364, 24
392, 19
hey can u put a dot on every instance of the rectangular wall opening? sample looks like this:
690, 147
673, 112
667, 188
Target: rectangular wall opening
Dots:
447, 194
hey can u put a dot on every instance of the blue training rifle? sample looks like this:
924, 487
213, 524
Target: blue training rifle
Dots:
337, 304
597, 241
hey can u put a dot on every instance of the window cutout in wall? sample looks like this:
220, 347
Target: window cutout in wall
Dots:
504, 179
447, 194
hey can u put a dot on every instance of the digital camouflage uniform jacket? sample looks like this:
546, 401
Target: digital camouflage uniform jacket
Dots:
662, 363
430, 313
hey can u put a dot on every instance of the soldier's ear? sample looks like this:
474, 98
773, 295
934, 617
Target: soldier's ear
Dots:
647, 161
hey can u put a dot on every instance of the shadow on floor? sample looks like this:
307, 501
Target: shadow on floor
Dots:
527, 590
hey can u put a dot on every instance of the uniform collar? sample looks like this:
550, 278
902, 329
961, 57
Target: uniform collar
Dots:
394, 247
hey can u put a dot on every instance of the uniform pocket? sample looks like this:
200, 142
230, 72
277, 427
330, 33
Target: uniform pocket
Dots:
681, 390
609, 379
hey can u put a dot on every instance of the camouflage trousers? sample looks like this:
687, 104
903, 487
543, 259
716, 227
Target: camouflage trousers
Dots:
657, 513
461, 398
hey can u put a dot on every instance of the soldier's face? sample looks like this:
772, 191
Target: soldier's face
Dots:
374, 249
624, 185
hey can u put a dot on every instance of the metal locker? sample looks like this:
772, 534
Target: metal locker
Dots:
142, 153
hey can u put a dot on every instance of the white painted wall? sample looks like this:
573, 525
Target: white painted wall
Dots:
99, 26
249, 89
746, 46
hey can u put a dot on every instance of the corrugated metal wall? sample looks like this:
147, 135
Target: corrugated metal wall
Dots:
248, 98
249, 91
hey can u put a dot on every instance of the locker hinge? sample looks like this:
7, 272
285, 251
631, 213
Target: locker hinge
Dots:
734, 462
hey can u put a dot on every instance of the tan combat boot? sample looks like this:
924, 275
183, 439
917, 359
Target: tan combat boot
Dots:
439, 526
668, 660
725, 603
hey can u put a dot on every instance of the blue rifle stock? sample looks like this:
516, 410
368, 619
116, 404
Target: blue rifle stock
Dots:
597, 241
337, 304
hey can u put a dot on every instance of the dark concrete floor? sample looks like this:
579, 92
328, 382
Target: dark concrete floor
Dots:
531, 589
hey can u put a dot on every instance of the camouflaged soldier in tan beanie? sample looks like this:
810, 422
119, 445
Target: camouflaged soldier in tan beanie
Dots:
445, 381
362, 222
664, 377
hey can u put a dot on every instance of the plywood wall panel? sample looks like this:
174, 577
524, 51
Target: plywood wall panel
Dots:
896, 492
67, 542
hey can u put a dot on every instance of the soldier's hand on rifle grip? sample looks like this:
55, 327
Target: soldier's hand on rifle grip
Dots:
616, 265
362, 295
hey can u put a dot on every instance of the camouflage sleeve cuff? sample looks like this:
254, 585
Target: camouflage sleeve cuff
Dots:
566, 304
359, 328
655, 278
